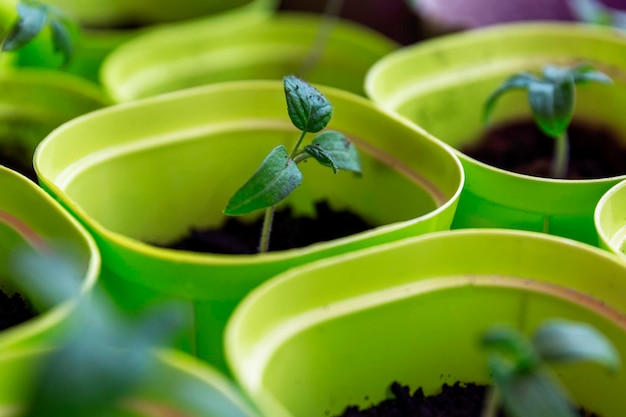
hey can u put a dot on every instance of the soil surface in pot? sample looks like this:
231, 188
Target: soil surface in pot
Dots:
458, 400
14, 309
288, 232
595, 152
19, 159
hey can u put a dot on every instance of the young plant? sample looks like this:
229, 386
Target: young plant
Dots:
279, 175
23, 20
522, 383
103, 355
594, 11
551, 97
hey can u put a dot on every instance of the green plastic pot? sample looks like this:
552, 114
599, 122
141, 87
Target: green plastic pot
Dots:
178, 385
105, 26
90, 50
441, 85
151, 169
339, 331
34, 102
120, 13
30, 209
610, 219
196, 53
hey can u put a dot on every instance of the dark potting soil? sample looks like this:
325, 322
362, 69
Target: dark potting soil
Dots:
14, 309
595, 152
458, 400
236, 237
19, 159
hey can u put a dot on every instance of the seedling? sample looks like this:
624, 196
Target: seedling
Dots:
279, 175
32, 17
103, 355
551, 97
593, 11
522, 383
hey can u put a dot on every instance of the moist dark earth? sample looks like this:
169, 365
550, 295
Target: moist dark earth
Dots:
595, 151
14, 309
458, 400
288, 232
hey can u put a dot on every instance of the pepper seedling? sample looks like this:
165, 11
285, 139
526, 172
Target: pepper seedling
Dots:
279, 175
522, 383
552, 98
22, 21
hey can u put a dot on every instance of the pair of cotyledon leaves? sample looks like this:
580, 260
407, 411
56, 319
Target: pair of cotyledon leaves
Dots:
518, 367
33, 17
551, 97
309, 111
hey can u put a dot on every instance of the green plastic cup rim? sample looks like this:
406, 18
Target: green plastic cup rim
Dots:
278, 279
598, 213
208, 258
57, 313
516, 29
68, 82
244, 353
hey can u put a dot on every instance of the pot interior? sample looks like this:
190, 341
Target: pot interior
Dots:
155, 190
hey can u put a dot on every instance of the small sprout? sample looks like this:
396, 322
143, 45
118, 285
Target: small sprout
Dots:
523, 384
279, 175
102, 356
593, 11
551, 98
33, 16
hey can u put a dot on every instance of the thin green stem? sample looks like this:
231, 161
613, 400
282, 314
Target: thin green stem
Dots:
331, 14
300, 156
560, 160
294, 151
264, 245
492, 403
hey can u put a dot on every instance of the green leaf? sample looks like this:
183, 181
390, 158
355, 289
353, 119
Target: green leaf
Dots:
586, 73
31, 21
512, 346
564, 341
518, 81
552, 104
308, 109
535, 394
339, 149
62, 37
321, 156
592, 11
275, 179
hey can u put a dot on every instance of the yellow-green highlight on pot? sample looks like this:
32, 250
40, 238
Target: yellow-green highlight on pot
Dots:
194, 53
177, 385
154, 168
441, 85
610, 220
339, 331
24, 202
113, 14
